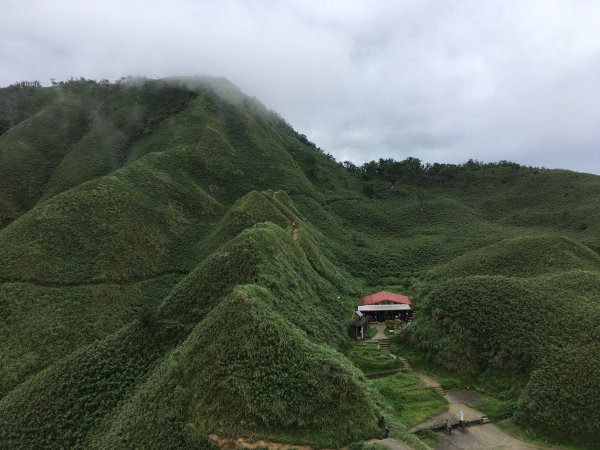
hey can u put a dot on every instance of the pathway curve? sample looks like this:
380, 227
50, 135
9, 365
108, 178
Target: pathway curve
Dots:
486, 436
479, 437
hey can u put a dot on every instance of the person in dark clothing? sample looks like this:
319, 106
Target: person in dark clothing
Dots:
386, 432
447, 427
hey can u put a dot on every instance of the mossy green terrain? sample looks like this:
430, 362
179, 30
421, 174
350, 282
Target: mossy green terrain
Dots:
176, 261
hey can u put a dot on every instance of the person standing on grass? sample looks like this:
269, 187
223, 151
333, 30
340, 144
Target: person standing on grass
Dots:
386, 432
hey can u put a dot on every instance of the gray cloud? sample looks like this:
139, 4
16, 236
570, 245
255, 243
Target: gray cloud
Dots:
442, 81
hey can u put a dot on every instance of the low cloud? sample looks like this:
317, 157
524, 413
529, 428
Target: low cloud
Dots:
442, 81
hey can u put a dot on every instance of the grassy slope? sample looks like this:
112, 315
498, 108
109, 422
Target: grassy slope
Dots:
193, 187
522, 322
44, 324
155, 214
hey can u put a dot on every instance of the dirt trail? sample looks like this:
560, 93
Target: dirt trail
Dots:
486, 436
478, 437
391, 443
231, 443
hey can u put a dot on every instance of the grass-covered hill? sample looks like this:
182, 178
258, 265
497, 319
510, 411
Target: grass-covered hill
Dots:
176, 261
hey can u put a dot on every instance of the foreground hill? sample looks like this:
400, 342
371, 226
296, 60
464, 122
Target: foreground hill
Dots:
176, 261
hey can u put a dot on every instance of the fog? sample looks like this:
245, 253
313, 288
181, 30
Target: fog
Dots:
441, 81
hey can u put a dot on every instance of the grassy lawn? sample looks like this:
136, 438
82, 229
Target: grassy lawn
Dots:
410, 398
428, 437
496, 408
372, 360
447, 379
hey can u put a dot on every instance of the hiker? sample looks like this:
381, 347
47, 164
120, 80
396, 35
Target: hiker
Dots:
461, 420
386, 432
447, 427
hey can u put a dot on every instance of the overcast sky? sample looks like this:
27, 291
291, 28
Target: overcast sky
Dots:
440, 80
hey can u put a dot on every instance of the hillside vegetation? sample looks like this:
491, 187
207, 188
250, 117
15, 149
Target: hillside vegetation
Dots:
176, 261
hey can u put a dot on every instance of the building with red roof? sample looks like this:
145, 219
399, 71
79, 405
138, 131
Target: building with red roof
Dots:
385, 298
386, 306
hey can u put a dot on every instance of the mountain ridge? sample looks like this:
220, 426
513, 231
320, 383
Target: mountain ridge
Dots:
160, 207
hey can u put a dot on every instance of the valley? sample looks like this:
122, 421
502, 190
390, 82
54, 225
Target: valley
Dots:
177, 262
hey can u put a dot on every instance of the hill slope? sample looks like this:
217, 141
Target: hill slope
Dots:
186, 264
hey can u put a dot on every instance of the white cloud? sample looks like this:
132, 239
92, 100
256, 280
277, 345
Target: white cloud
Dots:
443, 81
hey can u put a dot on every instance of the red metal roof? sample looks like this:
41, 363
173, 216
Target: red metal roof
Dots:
383, 296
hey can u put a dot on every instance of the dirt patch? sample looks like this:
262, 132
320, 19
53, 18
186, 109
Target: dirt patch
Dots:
427, 381
469, 397
229, 443
390, 443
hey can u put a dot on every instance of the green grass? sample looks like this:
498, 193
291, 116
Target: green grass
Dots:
370, 333
447, 379
370, 359
428, 437
132, 213
535, 349
412, 401
531, 437
497, 409
43, 324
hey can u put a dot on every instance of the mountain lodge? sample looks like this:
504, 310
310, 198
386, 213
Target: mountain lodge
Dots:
386, 306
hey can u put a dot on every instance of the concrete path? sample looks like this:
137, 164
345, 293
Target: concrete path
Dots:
380, 327
478, 437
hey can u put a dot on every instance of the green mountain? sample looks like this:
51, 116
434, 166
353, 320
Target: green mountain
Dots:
176, 261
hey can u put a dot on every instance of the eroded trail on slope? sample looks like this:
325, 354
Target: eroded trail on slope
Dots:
241, 442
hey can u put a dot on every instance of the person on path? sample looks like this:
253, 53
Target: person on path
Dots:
386, 432
461, 420
447, 427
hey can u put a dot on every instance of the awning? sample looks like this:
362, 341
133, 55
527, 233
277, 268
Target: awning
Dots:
377, 308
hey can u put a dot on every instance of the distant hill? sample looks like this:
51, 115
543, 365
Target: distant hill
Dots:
153, 289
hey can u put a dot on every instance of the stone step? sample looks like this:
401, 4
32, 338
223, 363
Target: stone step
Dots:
406, 365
